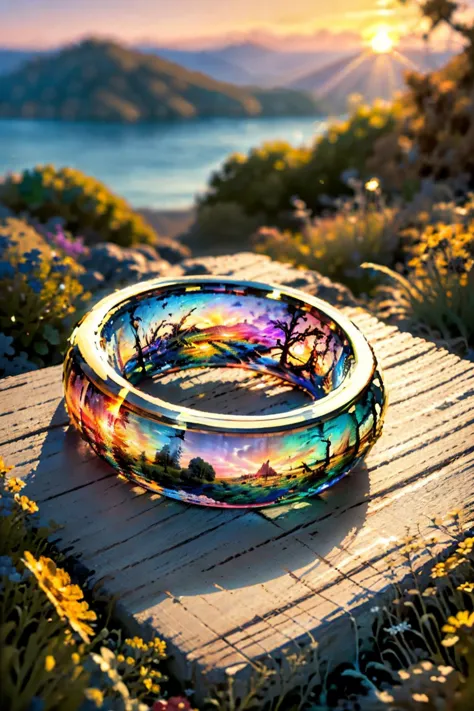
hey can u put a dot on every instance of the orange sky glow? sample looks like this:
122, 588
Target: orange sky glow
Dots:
43, 23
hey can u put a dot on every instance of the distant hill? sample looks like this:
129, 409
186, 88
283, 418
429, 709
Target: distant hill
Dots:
271, 67
371, 75
247, 63
206, 62
98, 80
12, 59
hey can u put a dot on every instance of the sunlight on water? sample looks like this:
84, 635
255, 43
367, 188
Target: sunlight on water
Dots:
161, 166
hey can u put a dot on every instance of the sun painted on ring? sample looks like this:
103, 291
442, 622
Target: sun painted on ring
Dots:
170, 326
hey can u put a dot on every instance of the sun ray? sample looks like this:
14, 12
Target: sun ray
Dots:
340, 76
409, 63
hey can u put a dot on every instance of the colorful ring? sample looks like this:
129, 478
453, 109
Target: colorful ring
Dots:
168, 325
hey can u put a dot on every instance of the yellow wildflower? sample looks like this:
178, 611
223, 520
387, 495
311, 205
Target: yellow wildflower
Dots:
422, 698
453, 561
66, 597
463, 619
120, 658
130, 660
4, 469
466, 546
155, 689
143, 671
95, 695
14, 485
135, 643
75, 658
26, 504
49, 663
385, 697
466, 587
457, 626
147, 683
158, 645
439, 571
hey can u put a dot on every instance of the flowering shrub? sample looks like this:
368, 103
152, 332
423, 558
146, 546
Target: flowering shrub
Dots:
261, 183
53, 656
71, 246
40, 299
264, 182
363, 228
438, 289
85, 205
346, 146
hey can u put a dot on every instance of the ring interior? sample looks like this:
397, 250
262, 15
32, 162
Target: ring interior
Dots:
178, 327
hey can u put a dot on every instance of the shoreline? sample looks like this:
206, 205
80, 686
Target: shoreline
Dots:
168, 223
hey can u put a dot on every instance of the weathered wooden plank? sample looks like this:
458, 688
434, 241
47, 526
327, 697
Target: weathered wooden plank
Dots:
226, 586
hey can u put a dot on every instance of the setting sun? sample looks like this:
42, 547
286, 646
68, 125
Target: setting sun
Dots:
382, 42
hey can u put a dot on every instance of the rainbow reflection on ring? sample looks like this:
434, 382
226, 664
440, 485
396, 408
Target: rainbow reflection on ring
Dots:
168, 325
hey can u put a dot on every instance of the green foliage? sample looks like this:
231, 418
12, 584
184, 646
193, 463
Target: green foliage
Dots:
86, 205
345, 147
222, 226
261, 183
264, 182
164, 458
364, 228
40, 299
199, 469
103, 81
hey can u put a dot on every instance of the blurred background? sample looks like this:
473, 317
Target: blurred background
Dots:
152, 96
135, 136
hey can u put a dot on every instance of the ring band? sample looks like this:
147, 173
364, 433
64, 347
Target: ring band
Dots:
170, 325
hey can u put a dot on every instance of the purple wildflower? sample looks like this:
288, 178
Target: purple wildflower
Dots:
72, 246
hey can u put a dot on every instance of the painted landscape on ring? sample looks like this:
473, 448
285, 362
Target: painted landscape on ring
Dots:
207, 329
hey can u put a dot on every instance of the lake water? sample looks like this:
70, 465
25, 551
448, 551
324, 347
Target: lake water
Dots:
161, 166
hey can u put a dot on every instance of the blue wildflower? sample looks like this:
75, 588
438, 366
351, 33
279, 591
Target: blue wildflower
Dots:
6, 345
36, 285
6, 505
6, 270
8, 570
26, 267
34, 255
36, 704
4, 244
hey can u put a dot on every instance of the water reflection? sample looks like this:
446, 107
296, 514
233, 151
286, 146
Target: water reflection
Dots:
153, 165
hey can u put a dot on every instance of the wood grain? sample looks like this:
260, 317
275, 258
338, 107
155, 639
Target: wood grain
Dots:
225, 587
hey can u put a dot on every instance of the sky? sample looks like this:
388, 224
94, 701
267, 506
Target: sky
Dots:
45, 23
